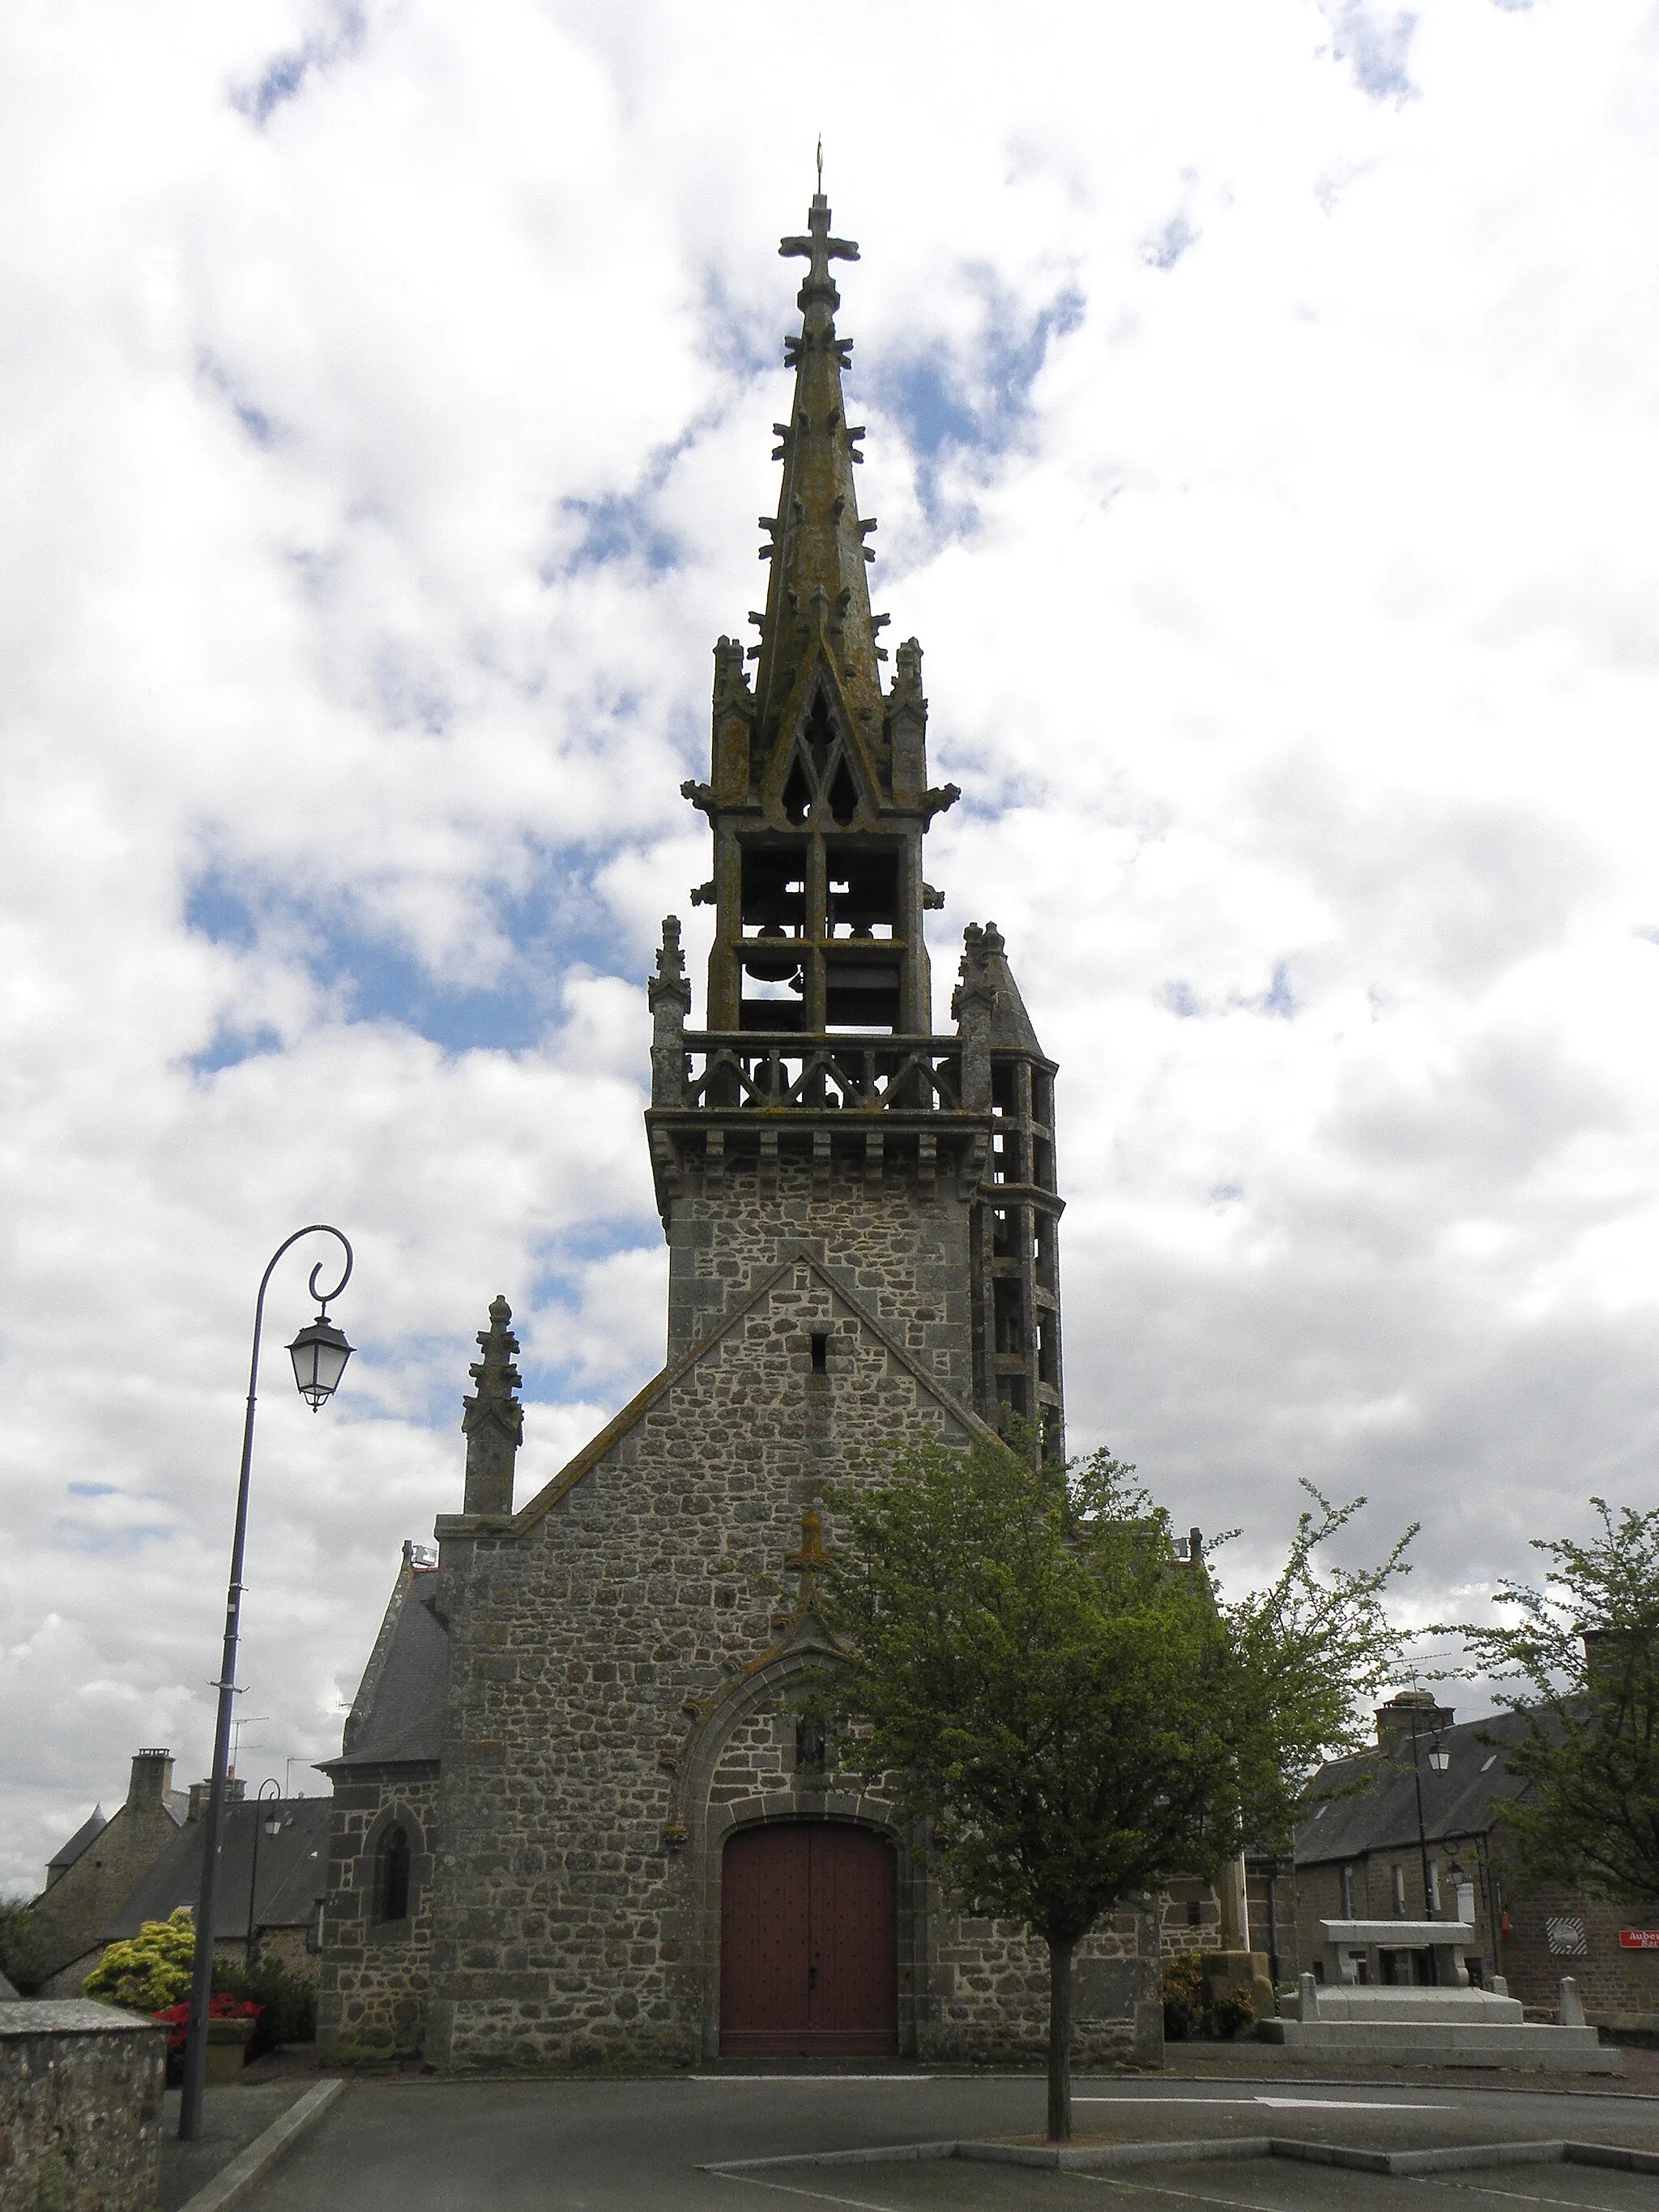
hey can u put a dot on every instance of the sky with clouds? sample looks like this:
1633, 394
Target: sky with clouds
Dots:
1263, 411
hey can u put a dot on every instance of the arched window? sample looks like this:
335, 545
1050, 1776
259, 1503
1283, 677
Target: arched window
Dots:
392, 1875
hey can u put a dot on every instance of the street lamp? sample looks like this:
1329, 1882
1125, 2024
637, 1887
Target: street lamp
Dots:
272, 1822
319, 1353
1439, 1759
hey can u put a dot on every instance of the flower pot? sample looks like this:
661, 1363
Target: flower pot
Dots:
227, 2048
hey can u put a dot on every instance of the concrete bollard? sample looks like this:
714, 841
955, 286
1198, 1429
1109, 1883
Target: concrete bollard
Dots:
1571, 2011
1307, 1999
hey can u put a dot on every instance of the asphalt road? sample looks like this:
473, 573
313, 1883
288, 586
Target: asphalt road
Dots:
642, 2146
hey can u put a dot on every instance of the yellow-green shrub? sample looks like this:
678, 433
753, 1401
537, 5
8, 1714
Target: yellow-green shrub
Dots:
149, 1971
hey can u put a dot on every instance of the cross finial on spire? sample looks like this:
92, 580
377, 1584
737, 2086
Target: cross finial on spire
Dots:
818, 249
820, 165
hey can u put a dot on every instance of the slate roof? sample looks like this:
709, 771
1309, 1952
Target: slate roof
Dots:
66, 1854
397, 1715
1011, 1025
1464, 1800
293, 1871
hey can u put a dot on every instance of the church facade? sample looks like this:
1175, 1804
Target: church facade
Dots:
577, 1819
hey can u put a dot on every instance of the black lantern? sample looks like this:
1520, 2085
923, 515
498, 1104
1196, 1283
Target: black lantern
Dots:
319, 1353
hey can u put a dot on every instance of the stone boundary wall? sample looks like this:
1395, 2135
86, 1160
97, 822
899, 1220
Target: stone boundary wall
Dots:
1620, 1989
80, 2107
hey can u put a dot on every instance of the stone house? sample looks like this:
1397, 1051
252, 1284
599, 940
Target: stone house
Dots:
87, 1880
1359, 1856
273, 1874
576, 1820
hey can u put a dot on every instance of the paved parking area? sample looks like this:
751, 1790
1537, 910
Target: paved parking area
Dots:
231, 2119
639, 2146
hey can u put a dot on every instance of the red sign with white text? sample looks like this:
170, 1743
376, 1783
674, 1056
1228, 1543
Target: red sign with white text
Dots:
1639, 1939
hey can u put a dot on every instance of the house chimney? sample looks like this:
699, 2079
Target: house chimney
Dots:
151, 1777
1395, 1720
200, 1792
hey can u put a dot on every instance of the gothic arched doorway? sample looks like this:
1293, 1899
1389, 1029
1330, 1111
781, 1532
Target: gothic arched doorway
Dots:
808, 1942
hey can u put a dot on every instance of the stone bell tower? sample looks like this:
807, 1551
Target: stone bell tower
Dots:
819, 1106
580, 1816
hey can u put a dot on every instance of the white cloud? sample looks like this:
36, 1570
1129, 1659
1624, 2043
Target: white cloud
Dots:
1264, 457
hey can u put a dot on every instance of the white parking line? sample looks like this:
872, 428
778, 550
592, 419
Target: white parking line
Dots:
818, 2196
1278, 2104
1187, 2195
1513, 2195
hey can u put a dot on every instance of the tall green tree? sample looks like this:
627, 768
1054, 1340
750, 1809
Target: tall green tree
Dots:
1073, 1710
1582, 1649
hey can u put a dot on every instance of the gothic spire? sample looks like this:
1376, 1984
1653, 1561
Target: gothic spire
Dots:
818, 589
493, 1420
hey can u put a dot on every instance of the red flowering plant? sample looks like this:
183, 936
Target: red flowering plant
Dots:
176, 2018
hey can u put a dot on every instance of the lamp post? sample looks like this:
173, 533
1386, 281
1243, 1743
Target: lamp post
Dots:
319, 1353
272, 1822
1439, 1759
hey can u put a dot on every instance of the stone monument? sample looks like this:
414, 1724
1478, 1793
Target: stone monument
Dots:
1355, 2013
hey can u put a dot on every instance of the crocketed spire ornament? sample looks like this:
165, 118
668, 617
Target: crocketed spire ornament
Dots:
817, 601
493, 1420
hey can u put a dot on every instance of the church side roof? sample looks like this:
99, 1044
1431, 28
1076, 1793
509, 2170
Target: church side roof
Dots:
397, 1717
66, 1854
1463, 1801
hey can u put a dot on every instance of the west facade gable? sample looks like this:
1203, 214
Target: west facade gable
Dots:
616, 1443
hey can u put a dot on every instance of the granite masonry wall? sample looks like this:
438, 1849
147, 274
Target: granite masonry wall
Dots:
1552, 1931
372, 1993
80, 2108
622, 1653
902, 1248
622, 1650
970, 1989
72, 1915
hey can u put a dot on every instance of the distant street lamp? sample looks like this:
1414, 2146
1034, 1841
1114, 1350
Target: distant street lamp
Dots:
1439, 1759
272, 1822
319, 1353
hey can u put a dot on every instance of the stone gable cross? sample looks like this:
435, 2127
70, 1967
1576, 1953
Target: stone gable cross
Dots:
809, 1558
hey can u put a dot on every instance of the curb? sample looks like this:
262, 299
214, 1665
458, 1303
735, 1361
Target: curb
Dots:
264, 2150
1087, 2158
1403, 2077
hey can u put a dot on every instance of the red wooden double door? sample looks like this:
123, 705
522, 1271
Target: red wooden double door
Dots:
808, 1942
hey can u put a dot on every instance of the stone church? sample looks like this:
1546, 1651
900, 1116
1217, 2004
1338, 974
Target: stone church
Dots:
577, 1819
